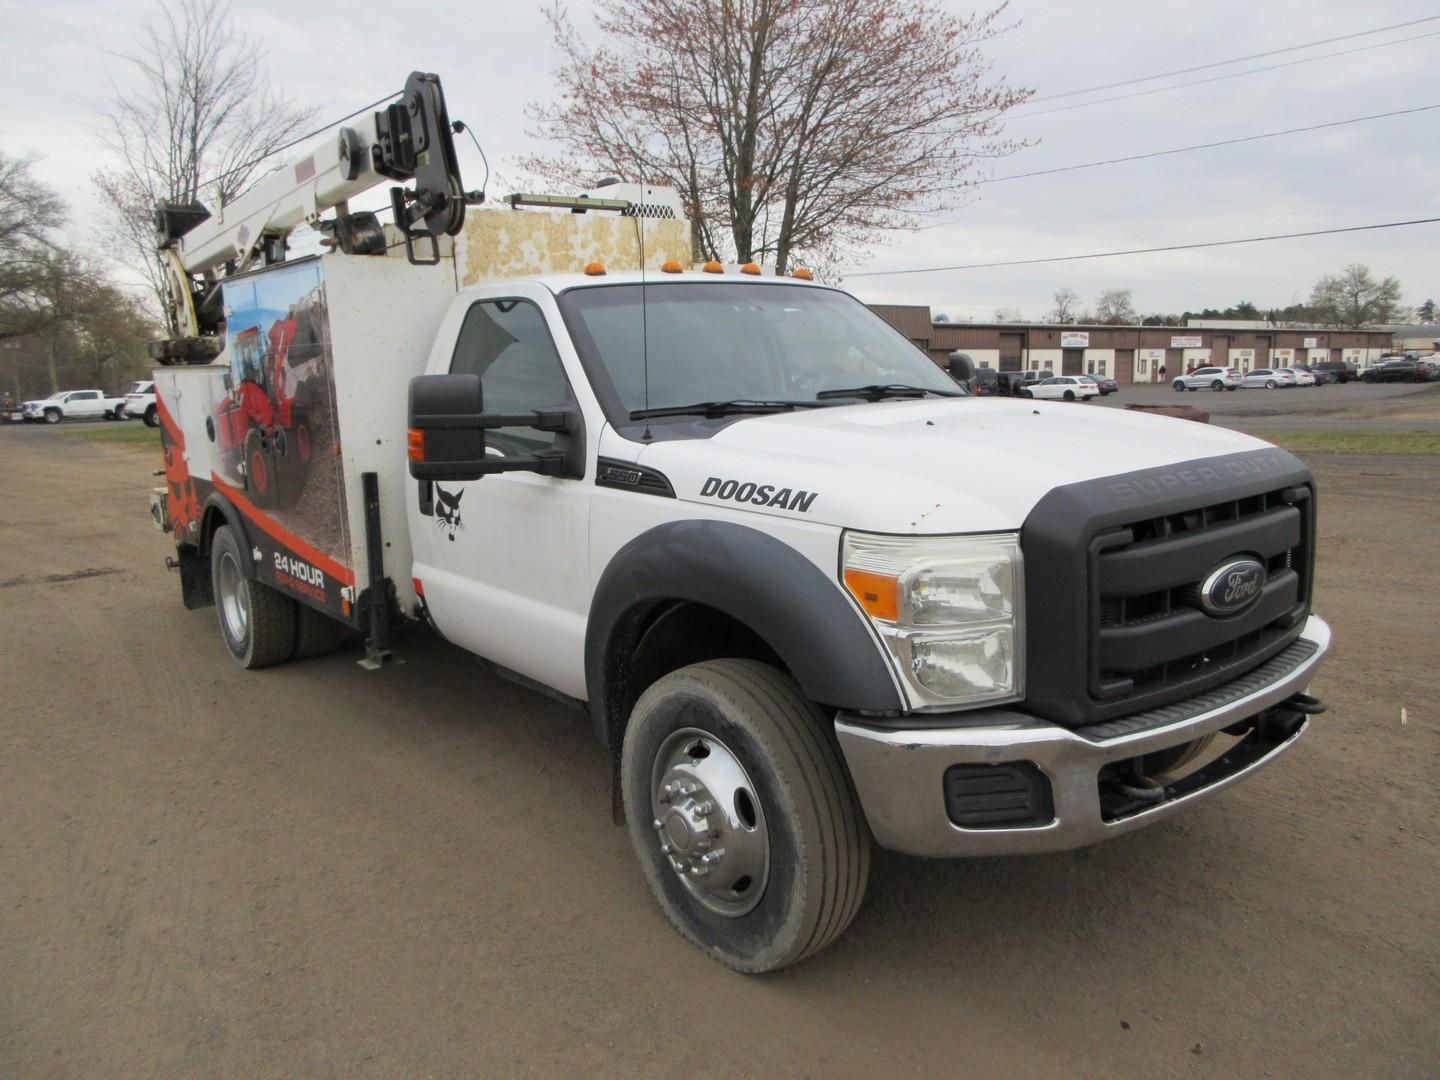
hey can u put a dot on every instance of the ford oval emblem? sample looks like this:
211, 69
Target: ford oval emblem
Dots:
1232, 587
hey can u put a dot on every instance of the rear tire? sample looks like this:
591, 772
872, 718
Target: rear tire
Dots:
728, 770
1069, 395
1218, 384
1271, 384
152, 417
257, 623
316, 634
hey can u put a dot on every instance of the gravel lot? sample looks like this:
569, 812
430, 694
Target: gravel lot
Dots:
317, 871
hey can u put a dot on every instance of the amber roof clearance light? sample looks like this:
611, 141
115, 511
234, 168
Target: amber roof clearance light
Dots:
670, 266
803, 274
713, 267
595, 269
750, 268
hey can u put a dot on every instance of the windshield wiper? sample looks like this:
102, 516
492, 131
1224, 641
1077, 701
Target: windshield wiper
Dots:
879, 391
721, 408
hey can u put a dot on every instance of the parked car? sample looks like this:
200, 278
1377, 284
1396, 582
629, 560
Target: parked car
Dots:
1396, 371
74, 405
1300, 375
1339, 370
140, 403
1216, 378
1106, 386
1316, 372
985, 382
1268, 378
1064, 388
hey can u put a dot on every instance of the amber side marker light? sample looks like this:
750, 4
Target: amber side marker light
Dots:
803, 274
595, 269
713, 267
879, 594
750, 268
670, 266
415, 444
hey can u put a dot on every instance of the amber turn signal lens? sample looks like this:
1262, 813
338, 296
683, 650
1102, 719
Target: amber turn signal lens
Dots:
595, 269
415, 444
713, 267
750, 268
879, 594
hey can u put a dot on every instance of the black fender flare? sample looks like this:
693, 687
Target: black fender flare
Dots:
755, 579
217, 505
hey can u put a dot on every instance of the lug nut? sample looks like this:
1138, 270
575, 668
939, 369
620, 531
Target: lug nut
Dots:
705, 807
658, 824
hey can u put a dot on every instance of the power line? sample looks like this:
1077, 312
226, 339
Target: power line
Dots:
1149, 250
1025, 114
1186, 150
1236, 60
1206, 146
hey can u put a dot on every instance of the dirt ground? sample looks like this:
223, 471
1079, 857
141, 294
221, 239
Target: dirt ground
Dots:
318, 871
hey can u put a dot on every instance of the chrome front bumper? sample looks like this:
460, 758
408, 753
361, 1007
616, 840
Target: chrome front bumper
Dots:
900, 774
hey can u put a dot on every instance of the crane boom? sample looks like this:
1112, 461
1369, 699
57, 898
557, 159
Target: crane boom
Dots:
407, 140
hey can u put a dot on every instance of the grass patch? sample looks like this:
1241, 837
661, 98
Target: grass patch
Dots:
1356, 442
124, 432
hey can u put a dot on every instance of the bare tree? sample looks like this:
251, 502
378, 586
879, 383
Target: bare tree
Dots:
1009, 315
28, 212
1067, 306
195, 125
1354, 297
792, 128
1115, 308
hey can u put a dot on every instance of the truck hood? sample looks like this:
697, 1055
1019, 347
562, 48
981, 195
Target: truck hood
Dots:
925, 466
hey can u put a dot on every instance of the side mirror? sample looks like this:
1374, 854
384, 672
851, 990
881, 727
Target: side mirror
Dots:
448, 421
962, 368
446, 440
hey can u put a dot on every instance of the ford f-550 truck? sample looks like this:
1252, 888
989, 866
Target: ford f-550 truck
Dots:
810, 592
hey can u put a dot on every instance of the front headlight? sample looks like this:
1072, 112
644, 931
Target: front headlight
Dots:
949, 608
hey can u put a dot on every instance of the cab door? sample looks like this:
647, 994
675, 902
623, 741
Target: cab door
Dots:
503, 560
84, 403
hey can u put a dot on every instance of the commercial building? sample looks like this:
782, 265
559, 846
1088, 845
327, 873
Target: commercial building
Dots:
1130, 354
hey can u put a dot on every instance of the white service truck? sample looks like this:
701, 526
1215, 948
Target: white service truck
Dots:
810, 593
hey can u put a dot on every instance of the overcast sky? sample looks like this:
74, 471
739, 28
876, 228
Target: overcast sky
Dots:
57, 63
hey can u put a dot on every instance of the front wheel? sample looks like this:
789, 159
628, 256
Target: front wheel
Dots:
742, 814
152, 417
52, 416
1069, 395
1180, 386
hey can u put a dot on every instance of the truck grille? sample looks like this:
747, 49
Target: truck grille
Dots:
1127, 630
1149, 632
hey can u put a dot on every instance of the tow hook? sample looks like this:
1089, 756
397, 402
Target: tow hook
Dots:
1304, 703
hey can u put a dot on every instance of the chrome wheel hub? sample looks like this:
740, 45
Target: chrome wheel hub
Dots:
234, 601
709, 822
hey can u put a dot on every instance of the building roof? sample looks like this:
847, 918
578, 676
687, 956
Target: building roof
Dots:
912, 320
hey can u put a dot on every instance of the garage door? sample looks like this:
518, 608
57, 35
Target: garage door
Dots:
1124, 366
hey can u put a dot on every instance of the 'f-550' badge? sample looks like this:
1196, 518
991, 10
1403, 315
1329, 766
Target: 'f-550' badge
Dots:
1231, 588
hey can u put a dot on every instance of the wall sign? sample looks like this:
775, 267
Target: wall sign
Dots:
1187, 341
1312, 343
1074, 339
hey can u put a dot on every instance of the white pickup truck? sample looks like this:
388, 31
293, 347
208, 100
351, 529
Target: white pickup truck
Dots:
810, 593
74, 405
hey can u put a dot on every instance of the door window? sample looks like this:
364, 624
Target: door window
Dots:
507, 343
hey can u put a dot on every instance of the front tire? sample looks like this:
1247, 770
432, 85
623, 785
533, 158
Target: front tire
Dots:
742, 814
257, 623
1069, 395
1180, 386
53, 416
152, 417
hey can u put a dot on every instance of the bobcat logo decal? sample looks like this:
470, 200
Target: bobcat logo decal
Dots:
447, 511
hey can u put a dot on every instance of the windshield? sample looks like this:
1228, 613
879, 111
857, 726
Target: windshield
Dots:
740, 342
